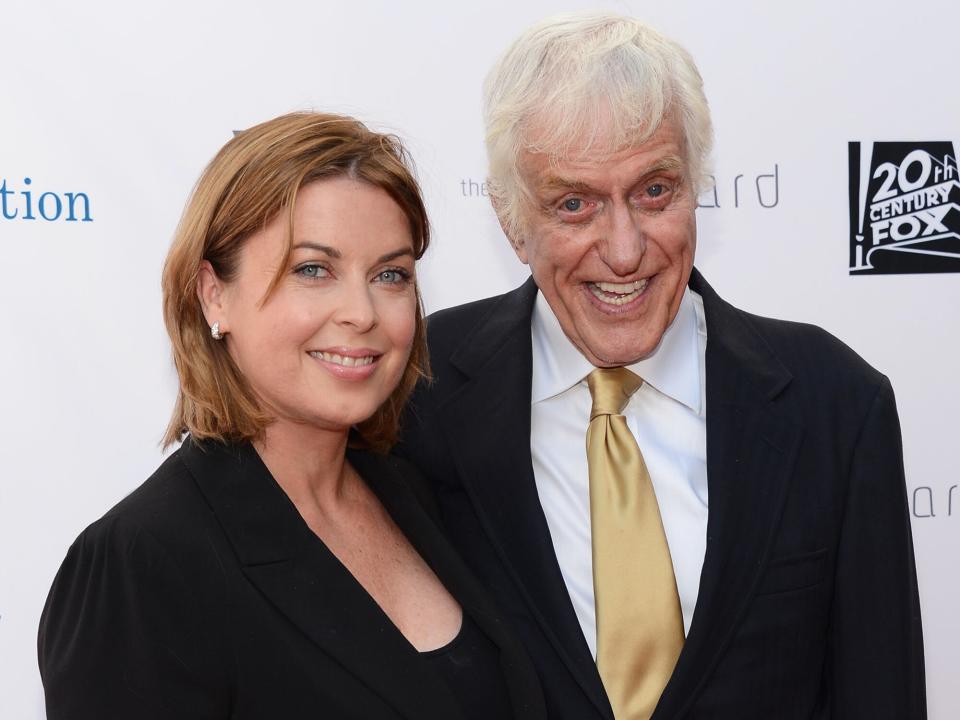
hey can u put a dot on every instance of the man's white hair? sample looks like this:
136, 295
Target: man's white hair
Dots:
594, 82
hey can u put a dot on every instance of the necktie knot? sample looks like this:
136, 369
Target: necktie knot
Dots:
611, 389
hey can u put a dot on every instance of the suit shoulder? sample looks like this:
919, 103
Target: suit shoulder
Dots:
143, 537
810, 352
168, 507
134, 599
157, 545
447, 327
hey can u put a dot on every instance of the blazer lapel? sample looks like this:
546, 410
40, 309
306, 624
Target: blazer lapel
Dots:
752, 445
387, 480
295, 571
487, 424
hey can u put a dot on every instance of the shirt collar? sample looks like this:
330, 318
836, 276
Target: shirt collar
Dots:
673, 368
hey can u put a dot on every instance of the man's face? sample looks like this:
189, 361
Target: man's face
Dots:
610, 244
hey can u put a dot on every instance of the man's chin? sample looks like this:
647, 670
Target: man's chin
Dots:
614, 342
606, 356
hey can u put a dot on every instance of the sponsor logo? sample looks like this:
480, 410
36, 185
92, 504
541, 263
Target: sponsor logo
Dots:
904, 208
931, 501
743, 190
25, 202
473, 188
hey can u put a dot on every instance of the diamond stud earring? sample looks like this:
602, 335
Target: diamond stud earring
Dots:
215, 331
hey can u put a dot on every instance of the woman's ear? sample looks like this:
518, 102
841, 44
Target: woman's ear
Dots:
211, 293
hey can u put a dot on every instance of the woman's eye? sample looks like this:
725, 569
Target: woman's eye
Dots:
313, 271
393, 277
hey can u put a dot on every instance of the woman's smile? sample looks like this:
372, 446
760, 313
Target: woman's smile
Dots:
348, 363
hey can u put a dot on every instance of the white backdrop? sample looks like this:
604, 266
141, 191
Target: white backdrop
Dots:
126, 102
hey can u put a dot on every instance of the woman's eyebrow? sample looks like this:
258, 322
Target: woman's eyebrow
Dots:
334, 253
395, 254
325, 249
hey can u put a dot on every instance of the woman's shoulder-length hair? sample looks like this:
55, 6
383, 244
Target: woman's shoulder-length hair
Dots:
254, 178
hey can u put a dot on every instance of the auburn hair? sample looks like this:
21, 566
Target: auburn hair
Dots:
254, 178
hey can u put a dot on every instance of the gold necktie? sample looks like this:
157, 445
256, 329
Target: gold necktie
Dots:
639, 622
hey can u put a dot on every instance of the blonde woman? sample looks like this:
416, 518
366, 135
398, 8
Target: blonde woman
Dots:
278, 565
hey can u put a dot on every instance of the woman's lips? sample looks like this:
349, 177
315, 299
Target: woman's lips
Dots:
348, 363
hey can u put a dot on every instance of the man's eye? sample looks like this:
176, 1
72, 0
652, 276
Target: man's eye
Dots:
572, 204
656, 190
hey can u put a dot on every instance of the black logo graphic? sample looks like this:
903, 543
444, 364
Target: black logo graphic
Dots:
904, 211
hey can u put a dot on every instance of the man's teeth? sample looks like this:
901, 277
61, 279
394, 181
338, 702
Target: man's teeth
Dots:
346, 361
617, 293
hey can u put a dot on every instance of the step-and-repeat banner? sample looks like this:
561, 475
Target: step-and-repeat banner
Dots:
835, 203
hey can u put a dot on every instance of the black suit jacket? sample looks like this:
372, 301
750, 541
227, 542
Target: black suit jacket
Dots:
203, 594
807, 605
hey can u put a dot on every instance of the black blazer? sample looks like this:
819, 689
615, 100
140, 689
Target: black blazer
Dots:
807, 606
203, 594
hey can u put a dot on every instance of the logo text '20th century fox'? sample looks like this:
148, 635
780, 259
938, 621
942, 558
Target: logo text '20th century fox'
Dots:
904, 208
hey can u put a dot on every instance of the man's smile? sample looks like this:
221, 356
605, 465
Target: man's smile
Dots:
617, 293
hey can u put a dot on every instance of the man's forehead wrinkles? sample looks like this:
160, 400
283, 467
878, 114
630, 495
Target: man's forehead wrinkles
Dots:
598, 174
651, 161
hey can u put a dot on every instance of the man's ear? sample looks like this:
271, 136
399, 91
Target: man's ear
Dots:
513, 234
211, 293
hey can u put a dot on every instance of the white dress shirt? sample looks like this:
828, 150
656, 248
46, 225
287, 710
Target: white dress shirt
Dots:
667, 416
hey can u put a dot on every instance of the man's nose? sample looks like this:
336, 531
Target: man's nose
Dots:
624, 243
355, 305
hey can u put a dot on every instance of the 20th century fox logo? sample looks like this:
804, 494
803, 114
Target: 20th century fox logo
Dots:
904, 208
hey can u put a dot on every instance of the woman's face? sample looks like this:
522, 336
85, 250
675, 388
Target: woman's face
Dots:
331, 342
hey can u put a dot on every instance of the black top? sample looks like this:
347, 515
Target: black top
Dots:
468, 664
203, 595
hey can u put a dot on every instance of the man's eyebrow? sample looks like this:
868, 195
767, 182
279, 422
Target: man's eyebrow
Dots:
325, 249
558, 182
671, 162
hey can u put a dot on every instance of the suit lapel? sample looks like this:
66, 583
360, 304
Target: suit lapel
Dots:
303, 580
388, 482
494, 463
752, 444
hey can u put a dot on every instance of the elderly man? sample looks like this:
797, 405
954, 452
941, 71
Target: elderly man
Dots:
685, 510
